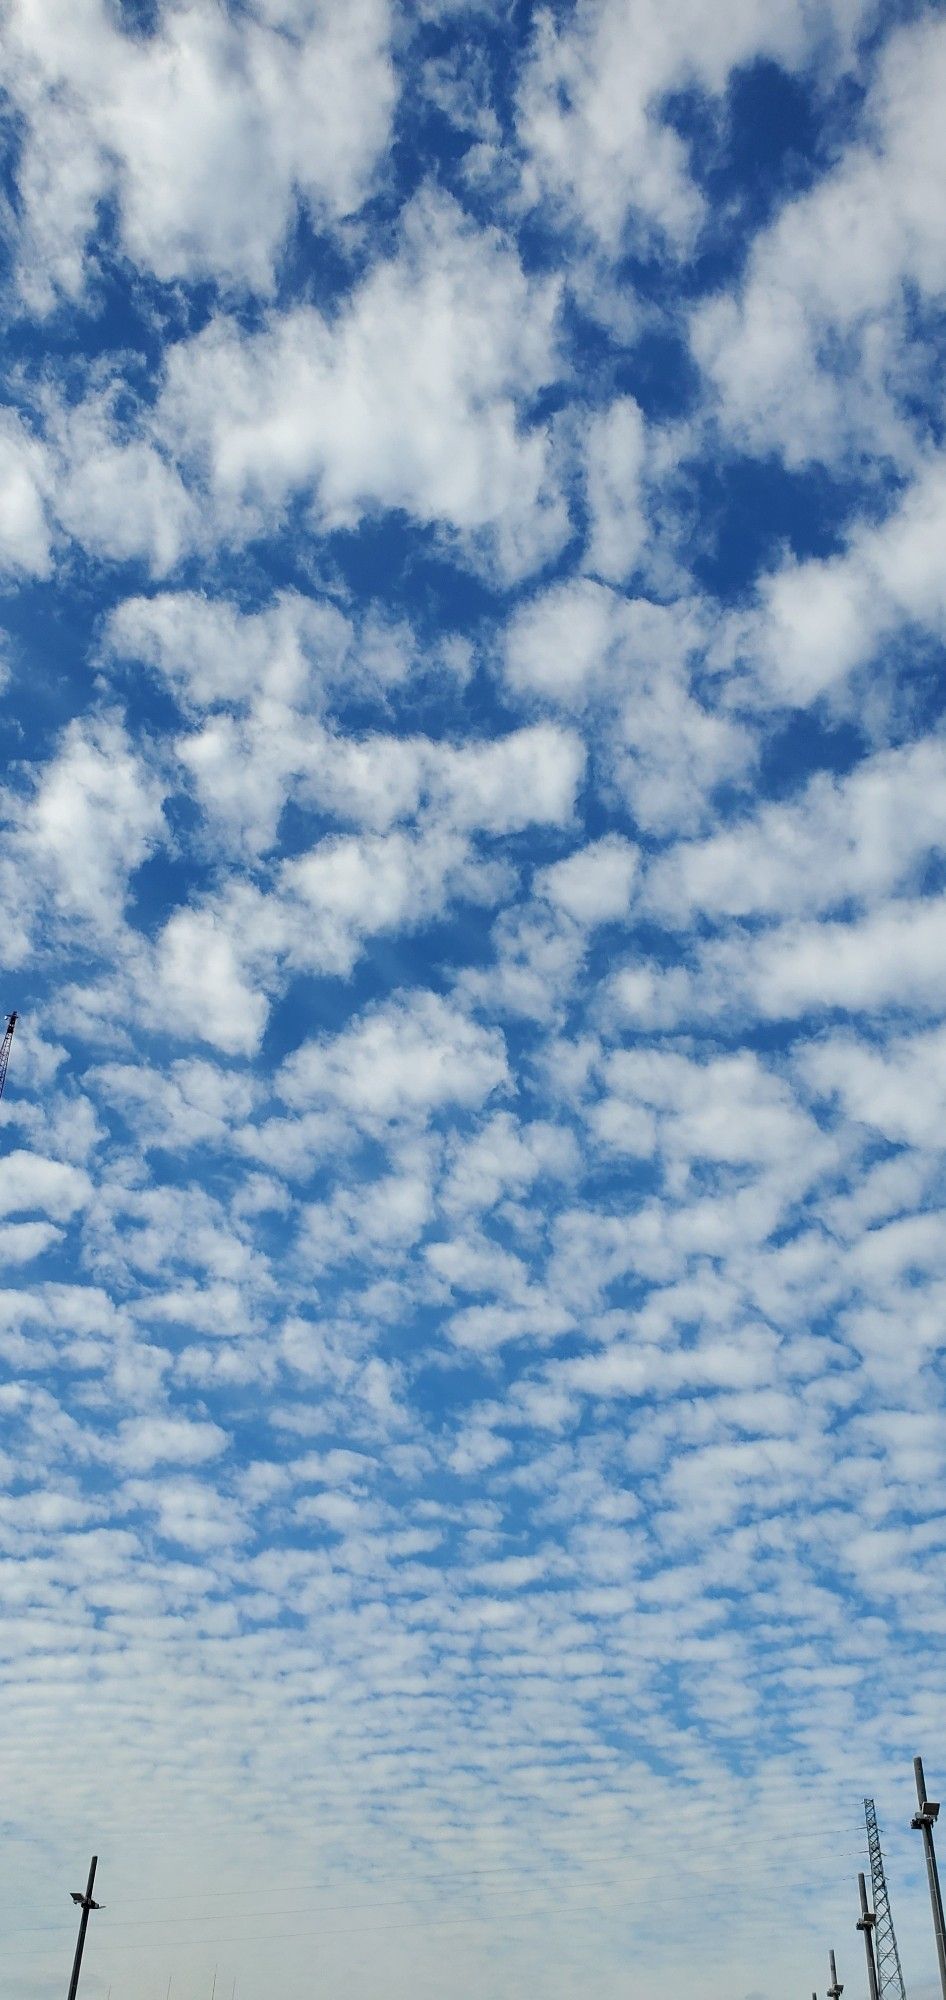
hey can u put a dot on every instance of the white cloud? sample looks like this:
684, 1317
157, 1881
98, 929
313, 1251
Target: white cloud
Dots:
528, 778
211, 654
191, 1102
95, 815
592, 100
408, 1059
243, 773
281, 669
894, 958
890, 960
561, 644
594, 884
485, 1328
115, 494
352, 887
822, 618
728, 1109
407, 399
378, 1223
898, 1088
538, 956
540, 946
505, 1158
476, 1264
835, 267
201, 987
615, 457
207, 133
215, 964
878, 824
22, 1241
144, 1442
664, 749
189, 1512
27, 1181
651, 995
25, 478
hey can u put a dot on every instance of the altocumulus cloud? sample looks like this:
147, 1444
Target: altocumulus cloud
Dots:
472, 1169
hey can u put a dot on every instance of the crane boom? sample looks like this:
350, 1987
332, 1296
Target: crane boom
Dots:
5, 1050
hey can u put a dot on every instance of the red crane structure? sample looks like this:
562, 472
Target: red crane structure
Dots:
5, 1050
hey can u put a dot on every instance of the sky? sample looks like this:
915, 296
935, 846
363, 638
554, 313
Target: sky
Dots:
472, 515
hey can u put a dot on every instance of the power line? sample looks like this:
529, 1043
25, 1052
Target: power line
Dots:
763, 1925
547, 1882
289, 1937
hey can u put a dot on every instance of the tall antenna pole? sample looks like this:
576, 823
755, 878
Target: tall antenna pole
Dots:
889, 1975
85, 1904
865, 1923
923, 1822
836, 1988
5, 1047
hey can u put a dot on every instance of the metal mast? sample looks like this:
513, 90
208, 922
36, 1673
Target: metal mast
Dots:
5, 1050
923, 1822
865, 1923
890, 1984
86, 1904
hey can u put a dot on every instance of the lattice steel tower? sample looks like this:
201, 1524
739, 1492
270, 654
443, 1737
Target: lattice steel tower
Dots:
5, 1047
889, 1976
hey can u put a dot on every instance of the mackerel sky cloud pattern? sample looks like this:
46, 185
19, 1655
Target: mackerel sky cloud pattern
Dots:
472, 514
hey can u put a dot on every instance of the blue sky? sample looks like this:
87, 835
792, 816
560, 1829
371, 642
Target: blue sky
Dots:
471, 531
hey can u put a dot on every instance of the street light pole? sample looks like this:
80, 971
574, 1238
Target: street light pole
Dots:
923, 1822
86, 1904
865, 1923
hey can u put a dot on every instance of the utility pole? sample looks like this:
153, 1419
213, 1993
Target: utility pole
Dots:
865, 1923
835, 1989
923, 1822
86, 1904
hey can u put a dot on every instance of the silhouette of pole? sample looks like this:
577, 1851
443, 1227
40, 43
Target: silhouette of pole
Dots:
85, 1904
835, 1989
865, 1923
923, 1822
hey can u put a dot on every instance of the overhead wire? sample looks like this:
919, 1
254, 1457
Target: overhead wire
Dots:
455, 1879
